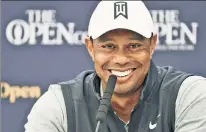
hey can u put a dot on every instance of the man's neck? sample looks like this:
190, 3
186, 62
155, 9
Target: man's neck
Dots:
123, 105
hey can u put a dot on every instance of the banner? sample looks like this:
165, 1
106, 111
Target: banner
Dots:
43, 43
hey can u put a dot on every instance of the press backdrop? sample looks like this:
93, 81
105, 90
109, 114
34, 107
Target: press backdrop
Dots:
42, 43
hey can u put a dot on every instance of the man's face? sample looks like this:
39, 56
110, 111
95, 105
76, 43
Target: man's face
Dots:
124, 54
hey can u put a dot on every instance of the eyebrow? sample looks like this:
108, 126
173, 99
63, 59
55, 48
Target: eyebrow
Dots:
137, 37
104, 39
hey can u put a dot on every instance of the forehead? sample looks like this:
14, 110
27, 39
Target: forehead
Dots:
121, 33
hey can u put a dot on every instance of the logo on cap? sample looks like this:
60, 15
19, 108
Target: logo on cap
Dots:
120, 9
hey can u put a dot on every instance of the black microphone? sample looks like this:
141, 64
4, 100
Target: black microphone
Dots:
105, 102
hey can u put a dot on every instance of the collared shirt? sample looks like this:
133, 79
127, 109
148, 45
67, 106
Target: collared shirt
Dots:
49, 112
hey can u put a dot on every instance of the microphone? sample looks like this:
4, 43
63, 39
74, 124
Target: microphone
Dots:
105, 102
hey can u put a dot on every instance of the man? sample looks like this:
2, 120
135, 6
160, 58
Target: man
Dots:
146, 98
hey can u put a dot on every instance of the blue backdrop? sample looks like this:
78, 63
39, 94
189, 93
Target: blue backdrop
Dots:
42, 43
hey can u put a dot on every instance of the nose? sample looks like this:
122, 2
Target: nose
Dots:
120, 58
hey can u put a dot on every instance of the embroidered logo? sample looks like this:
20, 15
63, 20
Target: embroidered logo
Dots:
120, 9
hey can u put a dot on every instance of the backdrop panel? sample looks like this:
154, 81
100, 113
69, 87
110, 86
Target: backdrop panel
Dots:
43, 43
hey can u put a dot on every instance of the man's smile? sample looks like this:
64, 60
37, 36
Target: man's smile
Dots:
123, 75
122, 72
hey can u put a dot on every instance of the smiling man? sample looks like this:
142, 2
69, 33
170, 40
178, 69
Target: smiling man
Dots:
125, 54
146, 98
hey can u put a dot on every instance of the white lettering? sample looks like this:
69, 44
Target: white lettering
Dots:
192, 35
21, 32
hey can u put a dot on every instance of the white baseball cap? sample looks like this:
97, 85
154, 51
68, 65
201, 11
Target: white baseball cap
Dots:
130, 15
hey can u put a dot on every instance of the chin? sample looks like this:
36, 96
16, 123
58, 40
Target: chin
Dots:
124, 90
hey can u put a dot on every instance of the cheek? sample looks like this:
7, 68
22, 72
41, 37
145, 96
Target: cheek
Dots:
99, 60
143, 57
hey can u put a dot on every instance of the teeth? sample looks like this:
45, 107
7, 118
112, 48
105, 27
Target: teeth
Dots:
121, 74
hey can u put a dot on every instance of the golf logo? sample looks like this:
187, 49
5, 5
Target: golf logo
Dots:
120, 9
43, 26
174, 34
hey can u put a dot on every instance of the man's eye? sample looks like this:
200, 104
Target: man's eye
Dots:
109, 46
134, 46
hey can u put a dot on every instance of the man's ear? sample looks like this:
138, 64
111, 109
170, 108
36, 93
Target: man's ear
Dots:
90, 48
153, 44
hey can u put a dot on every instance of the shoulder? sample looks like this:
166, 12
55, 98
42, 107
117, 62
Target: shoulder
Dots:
51, 99
191, 88
49, 112
190, 105
56, 92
